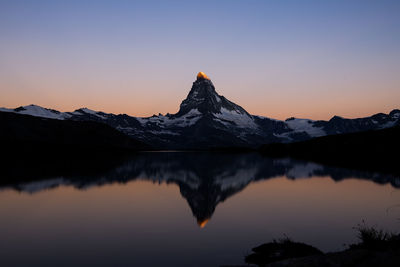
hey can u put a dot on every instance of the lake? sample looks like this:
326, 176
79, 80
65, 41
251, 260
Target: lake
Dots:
186, 209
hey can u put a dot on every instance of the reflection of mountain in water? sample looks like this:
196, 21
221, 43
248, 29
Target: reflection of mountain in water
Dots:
204, 179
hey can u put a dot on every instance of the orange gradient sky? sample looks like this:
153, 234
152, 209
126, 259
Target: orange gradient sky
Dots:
277, 60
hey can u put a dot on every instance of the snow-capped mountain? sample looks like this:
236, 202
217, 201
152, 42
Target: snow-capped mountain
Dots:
209, 120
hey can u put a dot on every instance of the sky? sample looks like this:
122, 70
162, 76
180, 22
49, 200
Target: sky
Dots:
308, 59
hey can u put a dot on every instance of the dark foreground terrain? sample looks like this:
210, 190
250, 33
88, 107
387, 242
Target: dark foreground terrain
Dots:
376, 150
375, 248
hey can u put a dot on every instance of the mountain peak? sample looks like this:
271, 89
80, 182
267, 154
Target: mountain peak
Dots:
204, 99
202, 96
202, 75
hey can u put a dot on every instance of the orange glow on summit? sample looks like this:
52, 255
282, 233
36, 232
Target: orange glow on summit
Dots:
202, 75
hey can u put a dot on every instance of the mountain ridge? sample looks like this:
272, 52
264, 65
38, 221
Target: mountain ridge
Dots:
208, 120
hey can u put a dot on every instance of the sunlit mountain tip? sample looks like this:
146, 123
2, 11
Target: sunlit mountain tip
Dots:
202, 75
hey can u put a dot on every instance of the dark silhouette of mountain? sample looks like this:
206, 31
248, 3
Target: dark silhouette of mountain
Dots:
204, 179
207, 120
375, 150
23, 135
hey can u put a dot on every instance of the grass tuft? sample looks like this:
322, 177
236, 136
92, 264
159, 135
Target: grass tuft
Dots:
373, 238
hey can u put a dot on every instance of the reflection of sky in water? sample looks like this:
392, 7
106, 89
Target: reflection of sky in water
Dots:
126, 217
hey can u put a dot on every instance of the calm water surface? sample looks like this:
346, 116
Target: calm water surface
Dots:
188, 209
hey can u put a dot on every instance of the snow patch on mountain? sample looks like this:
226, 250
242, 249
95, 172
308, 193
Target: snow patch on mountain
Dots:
305, 125
90, 112
38, 111
6, 110
234, 117
186, 120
